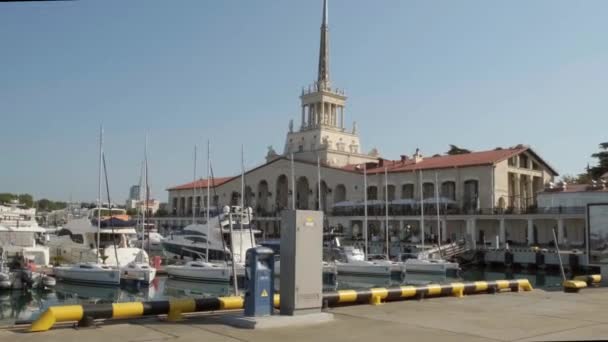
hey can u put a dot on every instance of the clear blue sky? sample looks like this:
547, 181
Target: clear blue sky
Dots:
426, 73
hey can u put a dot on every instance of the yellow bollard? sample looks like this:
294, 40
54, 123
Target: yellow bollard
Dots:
378, 294
56, 314
178, 307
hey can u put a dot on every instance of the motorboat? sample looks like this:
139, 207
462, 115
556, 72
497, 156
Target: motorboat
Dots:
76, 242
351, 260
420, 270
140, 272
88, 273
204, 271
22, 276
192, 242
20, 233
151, 241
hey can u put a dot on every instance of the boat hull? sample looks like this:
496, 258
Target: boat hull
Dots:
109, 277
219, 274
363, 269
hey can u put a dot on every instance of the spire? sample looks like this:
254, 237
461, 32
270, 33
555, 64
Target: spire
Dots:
323, 78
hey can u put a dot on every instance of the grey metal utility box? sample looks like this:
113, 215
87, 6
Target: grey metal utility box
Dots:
301, 285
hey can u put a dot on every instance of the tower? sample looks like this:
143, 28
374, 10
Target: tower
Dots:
321, 131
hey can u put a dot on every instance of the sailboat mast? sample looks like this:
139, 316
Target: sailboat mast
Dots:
208, 199
234, 277
437, 207
365, 207
140, 214
421, 210
242, 204
99, 190
194, 190
386, 212
147, 194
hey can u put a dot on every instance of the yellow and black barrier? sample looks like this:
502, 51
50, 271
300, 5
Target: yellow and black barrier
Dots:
175, 308
379, 295
574, 286
591, 279
172, 308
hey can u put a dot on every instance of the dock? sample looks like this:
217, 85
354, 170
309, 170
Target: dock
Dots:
523, 316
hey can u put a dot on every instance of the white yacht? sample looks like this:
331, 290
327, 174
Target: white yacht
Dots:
19, 233
76, 242
351, 260
92, 273
192, 243
205, 271
150, 241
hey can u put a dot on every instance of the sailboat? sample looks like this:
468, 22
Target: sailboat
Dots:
94, 272
139, 270
424, 269
212, 256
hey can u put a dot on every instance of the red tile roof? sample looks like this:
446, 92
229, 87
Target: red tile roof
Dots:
445, 161
201, 184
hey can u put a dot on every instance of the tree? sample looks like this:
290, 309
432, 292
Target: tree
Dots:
602, 164
582, 178
26, 199
454, 150
162, 212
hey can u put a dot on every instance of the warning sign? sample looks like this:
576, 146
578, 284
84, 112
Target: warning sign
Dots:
264, 293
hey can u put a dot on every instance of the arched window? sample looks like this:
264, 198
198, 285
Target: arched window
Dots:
428, 190
372, 192
407, 191
282, 189
303, 192
340, 193
471, 194
448, 190
391, 192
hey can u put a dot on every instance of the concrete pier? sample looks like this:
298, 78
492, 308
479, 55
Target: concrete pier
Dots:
524, 316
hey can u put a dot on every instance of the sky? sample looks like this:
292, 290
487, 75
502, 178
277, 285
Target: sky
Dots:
427, 73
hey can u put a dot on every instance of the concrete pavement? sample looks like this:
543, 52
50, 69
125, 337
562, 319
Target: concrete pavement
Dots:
524, 316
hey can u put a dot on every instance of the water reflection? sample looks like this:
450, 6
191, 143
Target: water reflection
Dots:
180, 288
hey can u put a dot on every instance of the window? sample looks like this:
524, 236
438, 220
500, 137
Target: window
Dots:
407, 191
196, 239
428, 190
77, 238
63, 232
523, 161
448, 190
88, 267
